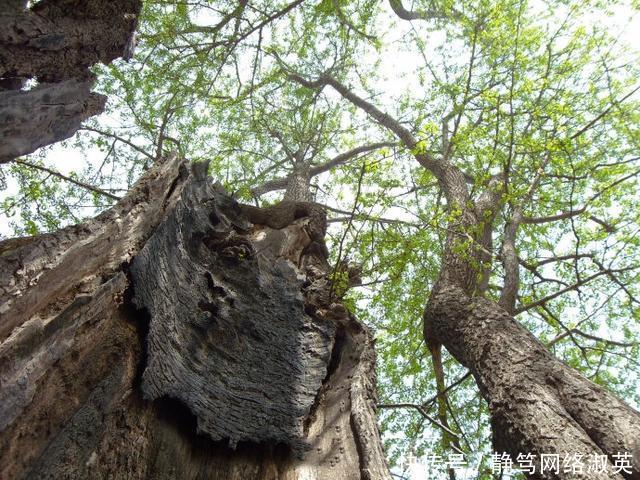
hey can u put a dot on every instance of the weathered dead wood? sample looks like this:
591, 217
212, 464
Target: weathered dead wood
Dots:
47, 114
244, 346
229, 336
55, 42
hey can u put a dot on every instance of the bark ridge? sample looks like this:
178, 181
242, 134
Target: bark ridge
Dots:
229, 336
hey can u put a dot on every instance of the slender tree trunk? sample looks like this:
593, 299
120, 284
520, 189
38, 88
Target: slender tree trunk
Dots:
298, 184
538, 404
176, 336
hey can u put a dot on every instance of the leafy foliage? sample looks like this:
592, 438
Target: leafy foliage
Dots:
526, 90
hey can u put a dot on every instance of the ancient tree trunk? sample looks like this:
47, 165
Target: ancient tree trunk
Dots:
55, 42
181, 335
538, 404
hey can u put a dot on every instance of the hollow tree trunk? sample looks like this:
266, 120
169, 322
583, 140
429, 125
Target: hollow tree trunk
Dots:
55, 42
538, 404
174, 336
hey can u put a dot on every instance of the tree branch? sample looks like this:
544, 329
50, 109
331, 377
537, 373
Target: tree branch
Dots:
570, 288
604, 340
452, 180
603, 114
553, 218
560, 258
59, 175
423, 412
347, 23
281, 183
404, 14
346, 231
450, 387
510, 260
120, 139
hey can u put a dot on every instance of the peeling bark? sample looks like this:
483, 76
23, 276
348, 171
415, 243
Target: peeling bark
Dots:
247, 336
174, 337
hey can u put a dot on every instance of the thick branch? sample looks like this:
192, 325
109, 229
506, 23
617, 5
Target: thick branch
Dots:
521, 380
49, 113
510, 263
382, 118
560, 258
348, 155
281, 183
448, 441
510, 260
452, 180
553, 218
403, 13
487, 206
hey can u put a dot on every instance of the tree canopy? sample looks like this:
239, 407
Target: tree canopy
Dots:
400, 118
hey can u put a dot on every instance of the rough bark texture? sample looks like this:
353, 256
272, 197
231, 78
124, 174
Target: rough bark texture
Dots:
247, 336
59, 39
47, 114
537, 403
298, 182
175, 337
55, 42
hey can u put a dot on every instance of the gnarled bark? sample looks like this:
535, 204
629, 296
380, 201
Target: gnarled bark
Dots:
175, 337
59, 39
